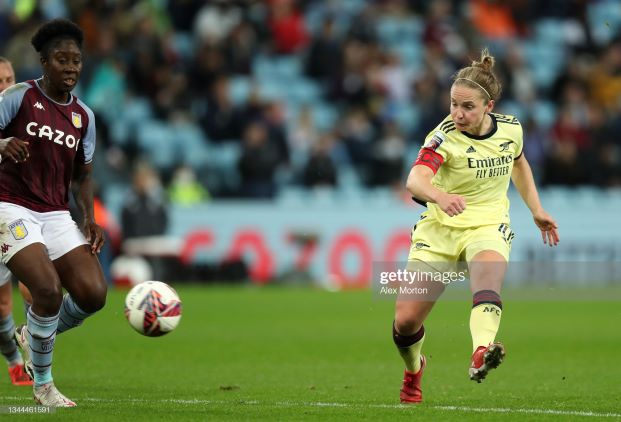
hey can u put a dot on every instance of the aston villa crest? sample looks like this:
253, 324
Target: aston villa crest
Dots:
76, 119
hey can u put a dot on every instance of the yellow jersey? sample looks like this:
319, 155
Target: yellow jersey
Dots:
476, 167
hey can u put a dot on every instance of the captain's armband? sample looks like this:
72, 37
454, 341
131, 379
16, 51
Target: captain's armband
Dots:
430, 158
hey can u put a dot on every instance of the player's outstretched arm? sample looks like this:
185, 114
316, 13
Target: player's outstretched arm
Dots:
524, 182
420, 186
84, 198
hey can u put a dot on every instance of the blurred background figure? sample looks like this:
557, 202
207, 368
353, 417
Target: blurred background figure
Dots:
144, 211
258, 162
7, 74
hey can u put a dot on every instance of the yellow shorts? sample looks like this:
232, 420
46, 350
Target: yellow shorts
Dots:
434, 242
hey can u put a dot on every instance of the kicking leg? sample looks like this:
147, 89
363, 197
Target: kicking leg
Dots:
487, 271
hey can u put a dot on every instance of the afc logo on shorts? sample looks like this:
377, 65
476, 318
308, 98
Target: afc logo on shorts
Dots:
18, 229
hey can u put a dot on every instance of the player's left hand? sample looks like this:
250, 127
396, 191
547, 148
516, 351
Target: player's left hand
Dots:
548, 227
94, 235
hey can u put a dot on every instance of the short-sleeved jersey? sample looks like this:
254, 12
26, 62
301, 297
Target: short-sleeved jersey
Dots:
476, 167
58, 135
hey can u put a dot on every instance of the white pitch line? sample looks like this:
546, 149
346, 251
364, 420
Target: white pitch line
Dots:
353, 405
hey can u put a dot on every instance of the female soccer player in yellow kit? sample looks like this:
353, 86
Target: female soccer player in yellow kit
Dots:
462, 172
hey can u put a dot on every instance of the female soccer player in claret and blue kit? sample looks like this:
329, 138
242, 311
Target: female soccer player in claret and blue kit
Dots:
462, 173
8, 345
47, 141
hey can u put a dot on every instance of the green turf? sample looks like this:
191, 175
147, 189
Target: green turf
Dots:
299, 354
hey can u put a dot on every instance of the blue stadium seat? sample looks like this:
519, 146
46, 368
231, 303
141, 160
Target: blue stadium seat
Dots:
184, 44
135, 111
192, 144
513, 108
273, 89
393, 30
281, 68
324, 115
288, 66
544, 113
407, 117
355, 6
550, 31
114, 195
159, 143
388, 30
303, 90
545, 60
605, 19
314, 17
411, 54
220, 166
239, 89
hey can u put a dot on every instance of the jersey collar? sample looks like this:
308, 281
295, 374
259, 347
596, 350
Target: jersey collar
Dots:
37, 82
487, 135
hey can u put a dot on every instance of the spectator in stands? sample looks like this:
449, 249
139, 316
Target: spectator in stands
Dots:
206, 67
275, 122
493, 19
304, 134
258, 162
605, 78
240, 48
387, 159
287, 26
365, 29
184, 189
215, 21
320, 170
605, 168
222, 121
147, 60
358, 134
174, 55
144, 212
324, 54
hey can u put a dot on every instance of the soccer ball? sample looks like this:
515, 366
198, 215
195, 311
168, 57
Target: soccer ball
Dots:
153, 308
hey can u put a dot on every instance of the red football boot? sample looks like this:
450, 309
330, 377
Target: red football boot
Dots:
411, 391
19, 376
484, 359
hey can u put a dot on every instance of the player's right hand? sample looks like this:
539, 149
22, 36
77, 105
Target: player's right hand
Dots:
14, 149
452, 204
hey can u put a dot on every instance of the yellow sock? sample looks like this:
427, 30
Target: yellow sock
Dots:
411, 355
484, 324
409, 348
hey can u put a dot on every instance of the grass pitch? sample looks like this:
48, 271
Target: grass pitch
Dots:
298, 354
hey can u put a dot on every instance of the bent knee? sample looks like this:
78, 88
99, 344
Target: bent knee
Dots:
93, 300
407, 322
48, 297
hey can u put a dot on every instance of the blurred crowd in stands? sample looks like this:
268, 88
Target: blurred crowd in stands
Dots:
247, 98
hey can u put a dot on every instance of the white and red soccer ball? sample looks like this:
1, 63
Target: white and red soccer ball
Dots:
153, 308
